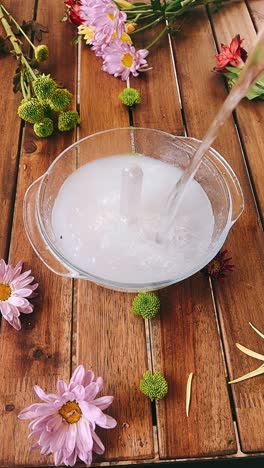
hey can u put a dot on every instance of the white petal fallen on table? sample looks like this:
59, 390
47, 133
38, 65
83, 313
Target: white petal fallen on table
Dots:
188, 393
256, 330
249, 352
254, 373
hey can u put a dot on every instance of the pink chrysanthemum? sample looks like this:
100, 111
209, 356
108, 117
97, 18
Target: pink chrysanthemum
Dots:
15, 290
121, 59
105, 17
65, 423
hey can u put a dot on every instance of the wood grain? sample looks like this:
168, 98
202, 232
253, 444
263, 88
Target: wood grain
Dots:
10, 124
109, 337
240, 298
185, 338
157, 88
40, 352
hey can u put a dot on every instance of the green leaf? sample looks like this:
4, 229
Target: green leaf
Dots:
156, 5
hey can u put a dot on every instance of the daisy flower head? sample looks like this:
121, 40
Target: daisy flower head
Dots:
64, 423
16, 289
105, 17
219, 266
121, 59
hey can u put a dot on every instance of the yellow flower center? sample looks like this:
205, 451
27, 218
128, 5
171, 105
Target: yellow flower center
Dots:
127, 60
5, 292
71, 412
111, 16
214, 266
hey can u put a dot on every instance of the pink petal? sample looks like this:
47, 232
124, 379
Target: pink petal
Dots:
91, 391
70, 460
98, 446
77, 376
35, 410
15, 322
58, 457
100, 382
86, 457
78, 392
103, 402
84, 436
28, 309
106, 421
88, 378
58, 438
70, 440
61, 387
54, 423
91, 412
24, 292
18, 301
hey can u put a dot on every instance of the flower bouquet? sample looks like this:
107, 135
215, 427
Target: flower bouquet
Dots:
109, 27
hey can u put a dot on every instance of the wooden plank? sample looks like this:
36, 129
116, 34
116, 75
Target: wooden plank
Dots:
40, 352
109, 337
9, 145
156, 111
240, 298
256, 9
227, 23
185, 338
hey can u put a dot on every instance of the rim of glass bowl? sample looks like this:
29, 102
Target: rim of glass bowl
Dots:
75, 271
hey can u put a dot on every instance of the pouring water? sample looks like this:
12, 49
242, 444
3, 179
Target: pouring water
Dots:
252, 69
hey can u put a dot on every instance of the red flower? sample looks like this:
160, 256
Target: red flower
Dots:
73, 11
232, 55
219, 266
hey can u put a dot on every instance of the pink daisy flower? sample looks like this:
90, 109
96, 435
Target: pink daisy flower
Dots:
121, 59
105, 17
15, 290
64, 424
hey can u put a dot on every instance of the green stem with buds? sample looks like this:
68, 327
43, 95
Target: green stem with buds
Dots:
12, 38
18, 26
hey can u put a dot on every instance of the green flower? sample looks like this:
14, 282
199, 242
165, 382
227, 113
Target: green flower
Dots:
44, 87
48, 112
44, 128
154, 385
146, 304
60, 100
41, 53
130, 97
31, 110
68, 120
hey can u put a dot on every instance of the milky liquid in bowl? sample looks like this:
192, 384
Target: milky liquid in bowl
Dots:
91, 233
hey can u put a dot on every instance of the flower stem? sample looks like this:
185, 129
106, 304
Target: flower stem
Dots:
159, 36
12, 38
147, 26
18, 26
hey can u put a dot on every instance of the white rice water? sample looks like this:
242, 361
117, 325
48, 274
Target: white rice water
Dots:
93, 234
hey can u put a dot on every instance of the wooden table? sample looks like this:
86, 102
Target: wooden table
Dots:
78, 322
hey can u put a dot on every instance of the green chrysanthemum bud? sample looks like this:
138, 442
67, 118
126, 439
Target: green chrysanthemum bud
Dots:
154, 385
130, 97
44, 87
146, 304
60, 100
41, 53
48, 112
68, 120
31, 110
44, 128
